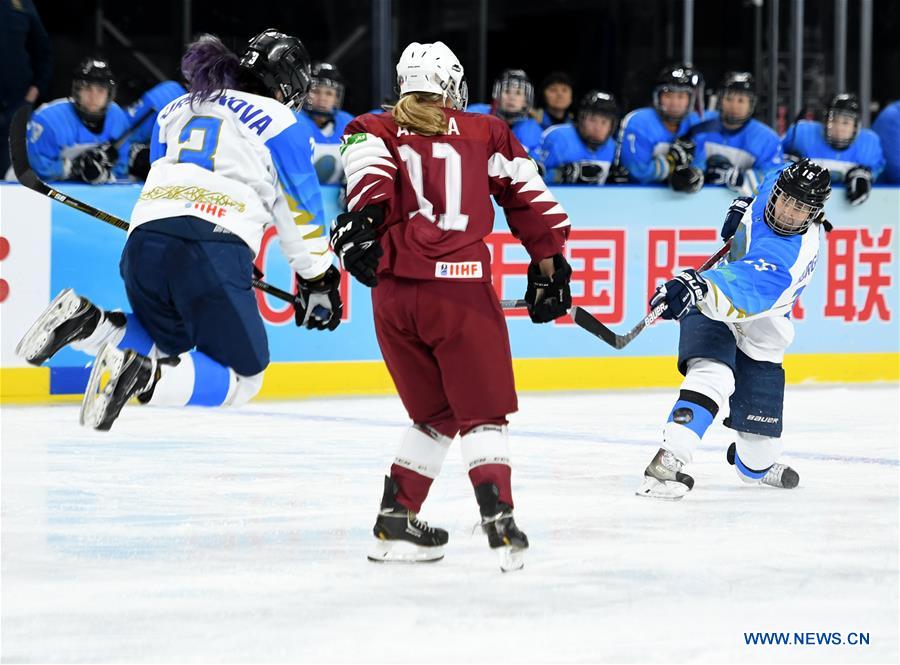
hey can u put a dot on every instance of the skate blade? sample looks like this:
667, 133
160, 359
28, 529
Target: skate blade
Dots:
669, 490
100, 386
401, 551
62, 307
511, 558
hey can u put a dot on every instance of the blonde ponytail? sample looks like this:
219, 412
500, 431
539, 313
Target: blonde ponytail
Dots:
421, 113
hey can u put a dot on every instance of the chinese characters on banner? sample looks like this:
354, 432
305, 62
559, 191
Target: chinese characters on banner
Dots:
856, 270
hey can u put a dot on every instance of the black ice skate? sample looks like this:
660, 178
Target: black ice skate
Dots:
663, 478
498, 523
69, 318
401, 536
778, 475
116, 378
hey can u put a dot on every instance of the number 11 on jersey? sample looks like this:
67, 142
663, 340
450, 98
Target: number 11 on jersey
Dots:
452, 219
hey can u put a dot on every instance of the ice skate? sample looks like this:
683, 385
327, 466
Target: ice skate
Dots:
117, 376
498, 523
69, 318
401, 536
663, 478
778, 475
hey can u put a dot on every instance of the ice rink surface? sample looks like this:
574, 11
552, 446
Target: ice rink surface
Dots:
200, 536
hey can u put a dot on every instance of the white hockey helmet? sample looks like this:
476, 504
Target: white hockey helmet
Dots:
433, 68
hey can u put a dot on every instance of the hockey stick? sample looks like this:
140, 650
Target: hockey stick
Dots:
18, 151
586, 320
513, 304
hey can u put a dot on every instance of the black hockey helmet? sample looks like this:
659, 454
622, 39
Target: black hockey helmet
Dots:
280, 62
92, 71
513, 79
847, 105
597, 102
326, 75
741, 83
677, 78
798, 198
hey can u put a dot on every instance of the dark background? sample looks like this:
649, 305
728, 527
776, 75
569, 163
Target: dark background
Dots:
617, 45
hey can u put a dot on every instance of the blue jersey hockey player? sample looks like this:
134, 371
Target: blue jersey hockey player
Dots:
735, 327
733, 149
582, 153
225, 160
512, 100
151, 102
853, 155
72, 138
655, 145
887, 126
325, 121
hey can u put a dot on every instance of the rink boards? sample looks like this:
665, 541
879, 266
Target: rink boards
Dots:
624, 241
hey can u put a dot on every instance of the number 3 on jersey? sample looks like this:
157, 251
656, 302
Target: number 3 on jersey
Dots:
209, 128
452, 219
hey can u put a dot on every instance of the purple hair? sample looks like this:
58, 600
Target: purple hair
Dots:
209, 67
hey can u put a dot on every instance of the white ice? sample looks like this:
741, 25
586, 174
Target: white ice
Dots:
201, 536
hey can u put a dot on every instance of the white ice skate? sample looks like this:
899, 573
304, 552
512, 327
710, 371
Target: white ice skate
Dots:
663, 478
67, 318
778, 475
117, 376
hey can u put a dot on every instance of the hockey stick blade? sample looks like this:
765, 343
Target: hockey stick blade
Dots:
18, 152
587, 321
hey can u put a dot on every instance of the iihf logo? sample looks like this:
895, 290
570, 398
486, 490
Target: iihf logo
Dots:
444, 271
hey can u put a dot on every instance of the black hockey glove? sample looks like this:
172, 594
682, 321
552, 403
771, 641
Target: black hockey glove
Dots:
139, 161
355, 242
688, 180
720, 171
549, 298
681, 154
734, 216
582, 173
320, 307
95, 166
680, 293
859, 184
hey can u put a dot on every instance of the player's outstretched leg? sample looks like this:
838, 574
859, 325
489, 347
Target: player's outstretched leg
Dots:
117, 376
68, 319
498, 523
752, 457
401, 537
707, 384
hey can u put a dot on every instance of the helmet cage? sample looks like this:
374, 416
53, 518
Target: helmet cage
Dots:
505, 83
787, 215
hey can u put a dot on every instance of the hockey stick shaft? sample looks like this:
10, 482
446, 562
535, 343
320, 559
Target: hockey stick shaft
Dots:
128, 132
26, 176
589, 322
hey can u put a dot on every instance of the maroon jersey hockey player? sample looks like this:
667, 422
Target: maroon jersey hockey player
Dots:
419, 187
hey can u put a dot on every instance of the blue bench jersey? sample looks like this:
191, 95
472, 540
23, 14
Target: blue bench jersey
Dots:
807, 139
56, 136
645, 140
887, 126
155, 98
561, 144
527, 130
326, 143
755, 148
